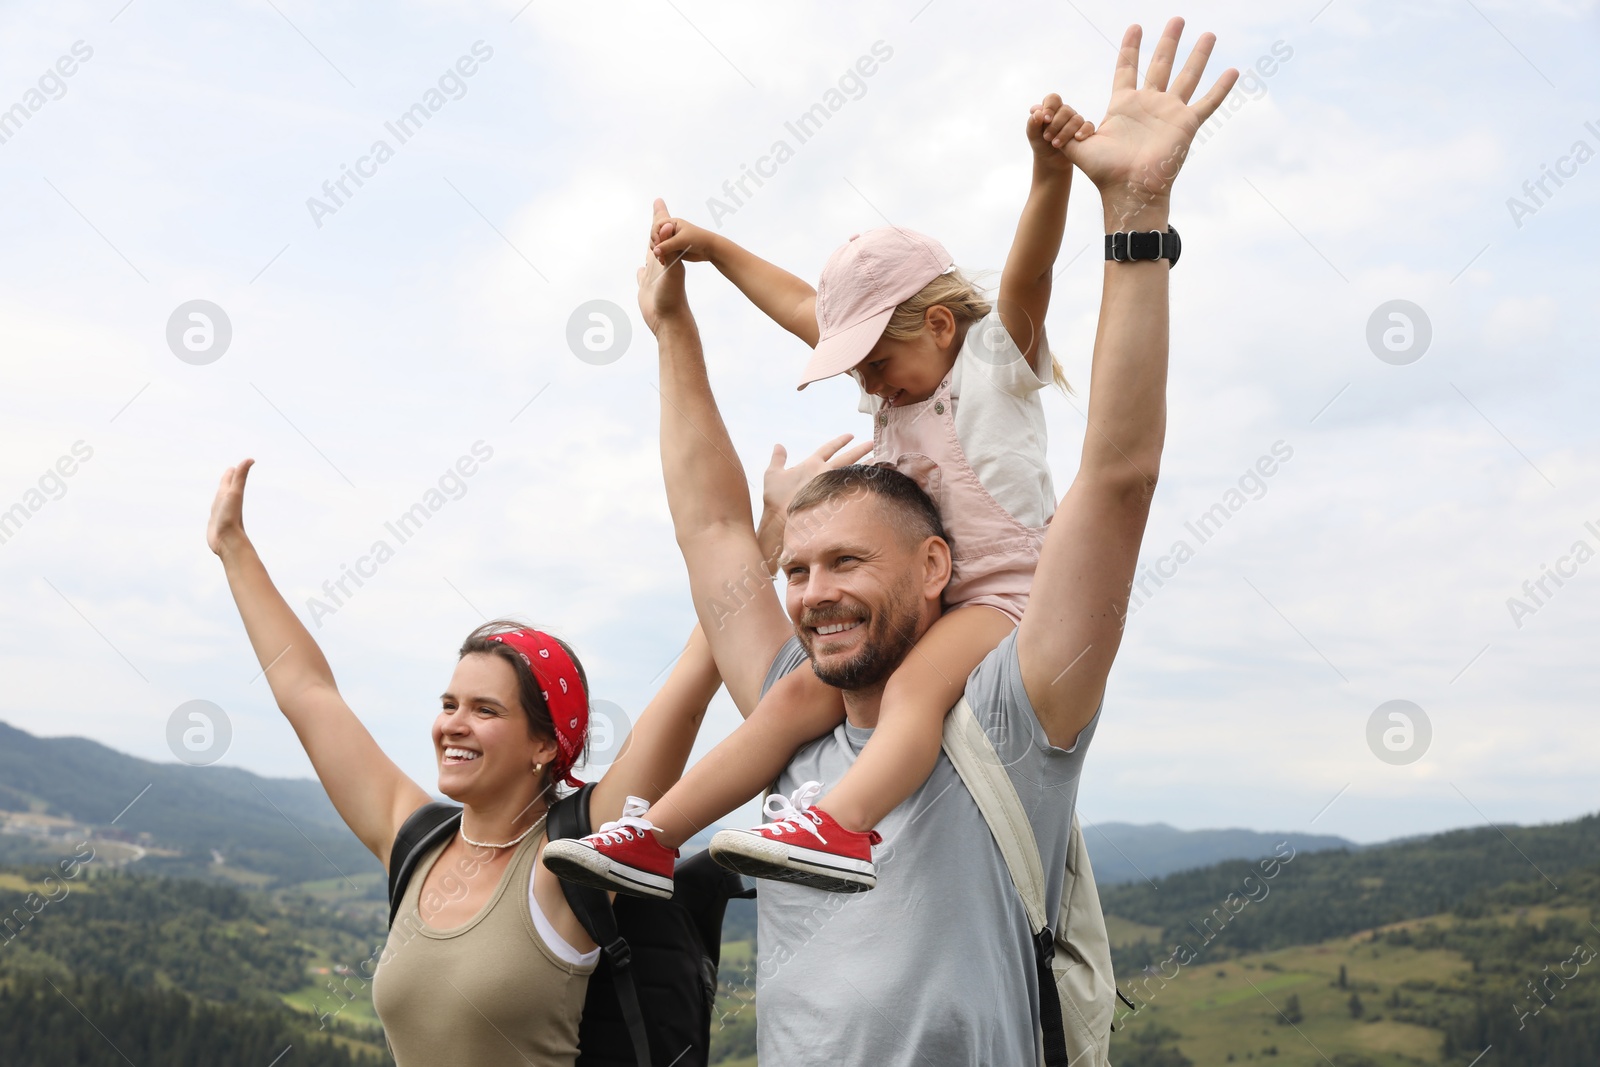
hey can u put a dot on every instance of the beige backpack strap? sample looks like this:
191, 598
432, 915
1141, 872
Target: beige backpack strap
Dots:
974, 757
975, 760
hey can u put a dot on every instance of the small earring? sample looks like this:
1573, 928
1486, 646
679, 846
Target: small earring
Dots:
537, 767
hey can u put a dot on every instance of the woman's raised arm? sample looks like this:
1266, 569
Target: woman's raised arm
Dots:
370, 792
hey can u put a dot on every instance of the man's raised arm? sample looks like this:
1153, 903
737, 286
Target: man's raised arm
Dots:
1073, 624
708, 494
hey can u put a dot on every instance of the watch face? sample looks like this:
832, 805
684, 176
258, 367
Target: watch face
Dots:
1144, 244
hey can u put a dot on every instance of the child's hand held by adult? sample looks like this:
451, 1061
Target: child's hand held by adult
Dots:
1052, 128
676, 239
661, 292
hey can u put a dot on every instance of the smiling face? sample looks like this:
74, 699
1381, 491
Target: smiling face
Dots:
859, 591
909, 371
481, 736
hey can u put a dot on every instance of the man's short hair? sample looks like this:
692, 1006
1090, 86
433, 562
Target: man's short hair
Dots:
904, 497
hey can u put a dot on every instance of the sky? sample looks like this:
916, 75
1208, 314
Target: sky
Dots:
1387, 237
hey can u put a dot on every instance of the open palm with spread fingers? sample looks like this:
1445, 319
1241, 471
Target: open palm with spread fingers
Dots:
1140, 145
780, 483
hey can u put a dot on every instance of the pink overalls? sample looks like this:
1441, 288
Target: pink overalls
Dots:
994, 554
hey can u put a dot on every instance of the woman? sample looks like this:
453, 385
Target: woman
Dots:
485, 963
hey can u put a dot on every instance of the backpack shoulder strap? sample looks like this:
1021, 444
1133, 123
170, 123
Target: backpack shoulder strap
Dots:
423, 829
569, 817
975, 760
981, 771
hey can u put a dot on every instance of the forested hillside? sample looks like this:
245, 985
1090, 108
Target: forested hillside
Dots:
100, 963
1328, 894
45, 1024
1434, 951
1533, 991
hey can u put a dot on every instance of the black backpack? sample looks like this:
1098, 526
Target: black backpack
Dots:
652, 997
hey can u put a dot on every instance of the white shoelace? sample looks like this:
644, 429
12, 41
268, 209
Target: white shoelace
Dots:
623, 829
793, 813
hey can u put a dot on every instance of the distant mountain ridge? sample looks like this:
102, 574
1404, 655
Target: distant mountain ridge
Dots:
286, 830
1128, 852
283, 828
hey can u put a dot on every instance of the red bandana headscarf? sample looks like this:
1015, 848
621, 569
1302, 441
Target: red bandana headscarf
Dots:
563, 694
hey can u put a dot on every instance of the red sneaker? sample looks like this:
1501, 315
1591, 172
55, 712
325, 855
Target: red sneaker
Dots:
624, 856
802, 844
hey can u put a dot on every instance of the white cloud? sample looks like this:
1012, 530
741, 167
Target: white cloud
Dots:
415, 322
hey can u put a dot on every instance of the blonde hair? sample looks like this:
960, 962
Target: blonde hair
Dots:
966, 302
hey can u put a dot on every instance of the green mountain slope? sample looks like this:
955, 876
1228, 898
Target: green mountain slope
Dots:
1317, 896
1438, 950
283, 829
1427, 951
1445, 989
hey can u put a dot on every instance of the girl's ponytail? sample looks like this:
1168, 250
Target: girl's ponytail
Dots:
966, 302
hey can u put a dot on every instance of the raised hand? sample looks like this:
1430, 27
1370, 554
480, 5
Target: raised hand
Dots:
1144, 138
227, 508
1052, 125
779, 484
661, 293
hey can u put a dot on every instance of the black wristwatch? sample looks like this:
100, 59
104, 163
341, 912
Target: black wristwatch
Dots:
1126, 245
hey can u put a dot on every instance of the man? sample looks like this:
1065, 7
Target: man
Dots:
935, 965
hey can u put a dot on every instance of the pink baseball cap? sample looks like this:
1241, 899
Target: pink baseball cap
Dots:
864, 280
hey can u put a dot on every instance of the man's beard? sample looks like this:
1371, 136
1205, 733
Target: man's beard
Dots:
891, 634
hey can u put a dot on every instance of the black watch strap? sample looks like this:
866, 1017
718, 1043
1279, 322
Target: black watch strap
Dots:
1134, 245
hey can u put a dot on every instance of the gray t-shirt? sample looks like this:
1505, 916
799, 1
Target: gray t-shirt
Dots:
935, 966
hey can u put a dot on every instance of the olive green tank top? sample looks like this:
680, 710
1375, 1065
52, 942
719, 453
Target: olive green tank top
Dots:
490, 992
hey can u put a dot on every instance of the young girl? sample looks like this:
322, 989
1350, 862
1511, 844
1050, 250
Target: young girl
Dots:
952, 385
